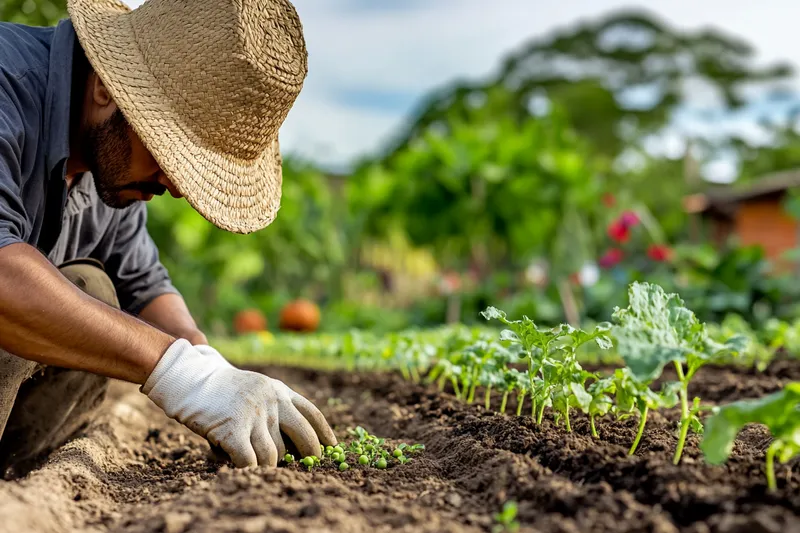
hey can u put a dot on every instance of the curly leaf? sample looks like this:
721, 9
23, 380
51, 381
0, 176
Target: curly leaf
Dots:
654, 330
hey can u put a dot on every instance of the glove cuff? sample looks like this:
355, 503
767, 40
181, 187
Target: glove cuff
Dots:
168, 361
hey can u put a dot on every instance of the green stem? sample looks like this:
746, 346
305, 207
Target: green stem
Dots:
488, 397
503, 403
541, 413
455, 387
441, 381
642, 422
414, 374
474, 385
530, 379
770, 467
684, 414
566, 420
591, 424
520, 401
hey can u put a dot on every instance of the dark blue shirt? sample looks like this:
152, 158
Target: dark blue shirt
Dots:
35, 206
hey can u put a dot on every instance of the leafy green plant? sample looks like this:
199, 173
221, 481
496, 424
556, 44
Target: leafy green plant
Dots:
779, 411
657, 329
555, 377
364, 450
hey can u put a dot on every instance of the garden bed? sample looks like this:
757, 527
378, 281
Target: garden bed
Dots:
136, 471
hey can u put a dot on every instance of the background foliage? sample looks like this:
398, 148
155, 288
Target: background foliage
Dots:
505, 191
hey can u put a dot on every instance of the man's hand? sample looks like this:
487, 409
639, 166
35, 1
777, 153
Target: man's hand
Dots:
242, 412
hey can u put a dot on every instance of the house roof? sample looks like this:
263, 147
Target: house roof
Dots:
724, 198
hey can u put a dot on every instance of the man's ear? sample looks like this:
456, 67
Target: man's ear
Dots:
100, 95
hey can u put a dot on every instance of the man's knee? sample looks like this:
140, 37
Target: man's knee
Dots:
90, 276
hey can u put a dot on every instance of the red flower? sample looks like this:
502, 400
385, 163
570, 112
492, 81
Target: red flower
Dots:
611, 258
619, 231
609, 200
629, 219
659, 252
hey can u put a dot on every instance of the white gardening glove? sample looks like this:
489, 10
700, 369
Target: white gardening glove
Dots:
240, 411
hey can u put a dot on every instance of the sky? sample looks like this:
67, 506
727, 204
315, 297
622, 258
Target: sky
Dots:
371, 61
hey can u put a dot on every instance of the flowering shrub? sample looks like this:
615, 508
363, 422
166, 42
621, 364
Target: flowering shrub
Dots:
621, 230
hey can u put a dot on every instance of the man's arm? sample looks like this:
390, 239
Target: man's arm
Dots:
169, 313
47, 319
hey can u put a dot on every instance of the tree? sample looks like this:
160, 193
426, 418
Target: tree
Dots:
621, 78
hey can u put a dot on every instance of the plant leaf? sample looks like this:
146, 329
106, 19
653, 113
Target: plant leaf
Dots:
779, 411
582, 398
654, 330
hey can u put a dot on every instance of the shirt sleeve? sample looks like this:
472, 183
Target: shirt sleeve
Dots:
134, 264
14, 225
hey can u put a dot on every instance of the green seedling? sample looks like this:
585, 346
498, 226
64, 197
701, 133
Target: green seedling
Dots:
310, 462
411, 448
289, 458
600, 403
512, 379
506, 519
657, 329
779, 411
373, 450
634, 395
554, 375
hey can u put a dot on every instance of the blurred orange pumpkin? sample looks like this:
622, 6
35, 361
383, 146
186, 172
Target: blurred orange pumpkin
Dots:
249, 321
300, 315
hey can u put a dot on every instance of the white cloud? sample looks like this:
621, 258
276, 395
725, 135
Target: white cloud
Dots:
431, 43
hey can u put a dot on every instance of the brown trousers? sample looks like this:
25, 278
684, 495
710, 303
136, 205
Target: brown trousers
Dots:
42, 407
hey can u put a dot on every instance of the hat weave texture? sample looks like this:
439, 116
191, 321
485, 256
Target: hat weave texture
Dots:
206, 84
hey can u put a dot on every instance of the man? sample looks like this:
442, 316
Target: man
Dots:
97, 115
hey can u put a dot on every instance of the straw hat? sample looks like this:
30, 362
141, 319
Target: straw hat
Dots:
206, 84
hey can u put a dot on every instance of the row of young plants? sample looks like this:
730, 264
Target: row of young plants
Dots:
545, 367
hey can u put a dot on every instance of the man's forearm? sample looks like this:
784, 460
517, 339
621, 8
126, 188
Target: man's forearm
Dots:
45, 318
169, 313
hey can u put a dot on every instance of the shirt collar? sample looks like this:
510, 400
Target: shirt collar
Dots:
58, 95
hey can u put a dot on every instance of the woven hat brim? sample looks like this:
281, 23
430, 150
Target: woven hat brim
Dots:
234, 195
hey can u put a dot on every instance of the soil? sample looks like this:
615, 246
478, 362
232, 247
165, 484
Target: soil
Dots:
134, 470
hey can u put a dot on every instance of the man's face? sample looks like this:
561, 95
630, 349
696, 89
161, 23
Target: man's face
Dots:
123, 169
